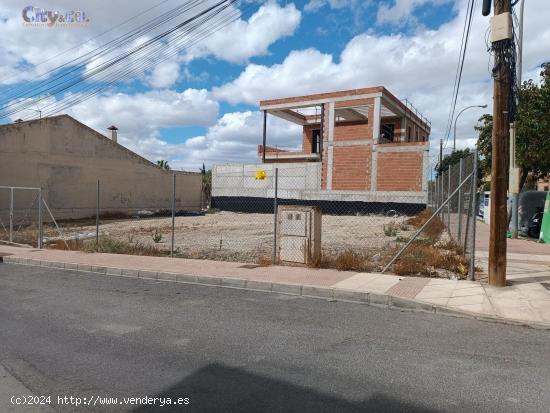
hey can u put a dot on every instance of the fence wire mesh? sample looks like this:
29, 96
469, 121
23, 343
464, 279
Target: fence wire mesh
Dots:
454, 194
361, 228
19, 215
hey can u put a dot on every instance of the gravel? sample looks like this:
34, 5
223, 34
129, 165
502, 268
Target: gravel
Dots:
231, 236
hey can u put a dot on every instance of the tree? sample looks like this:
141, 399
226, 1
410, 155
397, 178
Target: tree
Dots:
163, 164
485, 131
451, 159
206, 183
532, 132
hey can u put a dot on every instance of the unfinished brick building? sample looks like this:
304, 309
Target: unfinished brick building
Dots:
363, 149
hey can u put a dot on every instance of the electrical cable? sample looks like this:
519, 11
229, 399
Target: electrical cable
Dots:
105, 49
195, 27
76, 99
4, 80
460, 67
126, 72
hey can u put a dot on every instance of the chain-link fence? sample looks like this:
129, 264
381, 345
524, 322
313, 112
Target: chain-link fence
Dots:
356, 222
405, 225
453, 197
20, 215
457, 213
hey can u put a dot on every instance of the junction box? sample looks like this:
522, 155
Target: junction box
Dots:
298, 234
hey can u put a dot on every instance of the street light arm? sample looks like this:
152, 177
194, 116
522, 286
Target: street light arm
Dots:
460, 113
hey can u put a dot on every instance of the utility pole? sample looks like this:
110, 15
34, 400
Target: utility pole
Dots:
513, 186
500, 39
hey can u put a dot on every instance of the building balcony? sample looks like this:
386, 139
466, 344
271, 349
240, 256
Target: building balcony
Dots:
282, 155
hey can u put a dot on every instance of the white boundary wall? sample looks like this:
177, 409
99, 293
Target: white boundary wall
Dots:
296, 181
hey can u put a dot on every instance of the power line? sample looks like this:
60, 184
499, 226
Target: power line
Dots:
460, 66
145, 55
125, 73
111, 46
4, 80
93, 90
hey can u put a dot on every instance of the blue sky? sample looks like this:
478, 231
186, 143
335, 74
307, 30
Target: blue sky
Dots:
201, 104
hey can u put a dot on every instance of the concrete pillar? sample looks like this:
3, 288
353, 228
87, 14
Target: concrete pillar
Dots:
330, 149
425, 171
376, 120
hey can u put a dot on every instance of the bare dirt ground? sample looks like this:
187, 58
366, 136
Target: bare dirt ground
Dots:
244, 237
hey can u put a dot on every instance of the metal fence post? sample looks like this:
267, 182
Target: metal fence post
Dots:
440, 190
443, 197
40, 232
471, 272
276, 184
97, 218
436, 204
425, 225
460, 193
449, 203
173, 213
11, 215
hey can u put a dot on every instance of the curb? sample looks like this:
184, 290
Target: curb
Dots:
309, 291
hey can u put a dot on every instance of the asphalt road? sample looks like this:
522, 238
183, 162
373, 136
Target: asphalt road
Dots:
228, 350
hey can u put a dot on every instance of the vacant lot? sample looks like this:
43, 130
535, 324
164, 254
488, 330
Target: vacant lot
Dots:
245, 237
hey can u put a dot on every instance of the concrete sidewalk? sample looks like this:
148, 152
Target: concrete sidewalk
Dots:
525, 301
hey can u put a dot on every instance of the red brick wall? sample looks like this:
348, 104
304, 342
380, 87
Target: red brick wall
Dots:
307, 139
396, 122
399, 171
351, 166
352, 131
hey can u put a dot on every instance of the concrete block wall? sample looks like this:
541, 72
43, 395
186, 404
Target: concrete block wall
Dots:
66, 158
239, 180
299, 182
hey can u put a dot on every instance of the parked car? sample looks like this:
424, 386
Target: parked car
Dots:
535, 224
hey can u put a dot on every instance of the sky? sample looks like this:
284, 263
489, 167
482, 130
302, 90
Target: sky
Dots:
199, 104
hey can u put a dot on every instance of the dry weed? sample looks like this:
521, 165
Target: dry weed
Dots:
433, 230
264, 261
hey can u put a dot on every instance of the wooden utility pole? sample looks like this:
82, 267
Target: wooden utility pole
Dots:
499, 181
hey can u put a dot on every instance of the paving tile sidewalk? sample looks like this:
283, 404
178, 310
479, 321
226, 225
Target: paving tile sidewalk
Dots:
525, 301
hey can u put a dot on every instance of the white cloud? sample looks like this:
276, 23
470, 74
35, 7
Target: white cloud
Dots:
232, 138
164, 75
23, 48
139, 116
314, 5
142, 115
420, 67
235, 138
242, 39
401, 10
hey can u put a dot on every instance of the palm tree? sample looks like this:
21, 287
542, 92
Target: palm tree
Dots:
163, 164
206, 184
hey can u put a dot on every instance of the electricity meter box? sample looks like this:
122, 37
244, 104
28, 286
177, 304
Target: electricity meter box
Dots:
298, 234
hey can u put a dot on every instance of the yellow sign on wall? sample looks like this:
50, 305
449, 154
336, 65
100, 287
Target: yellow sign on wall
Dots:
260, 175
